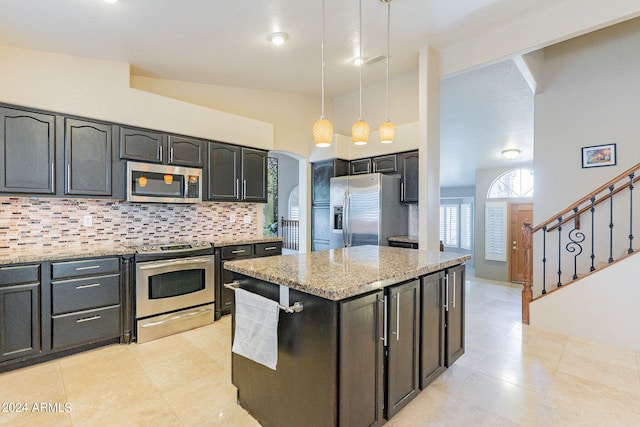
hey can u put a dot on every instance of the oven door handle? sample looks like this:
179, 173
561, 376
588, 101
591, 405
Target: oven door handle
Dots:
171, 263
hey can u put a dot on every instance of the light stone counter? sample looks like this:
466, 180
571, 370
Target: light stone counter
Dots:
19, 256
337, 274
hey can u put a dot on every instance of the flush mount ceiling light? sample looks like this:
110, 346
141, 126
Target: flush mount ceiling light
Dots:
322, 129
278, 38
387, 129
510, 153
111, 1
360, 129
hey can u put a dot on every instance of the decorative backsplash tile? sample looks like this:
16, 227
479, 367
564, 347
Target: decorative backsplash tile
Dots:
50, 222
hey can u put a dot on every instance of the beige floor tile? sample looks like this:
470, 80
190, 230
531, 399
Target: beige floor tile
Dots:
530, 372
606, 353
147, 411
173, 347
38, 383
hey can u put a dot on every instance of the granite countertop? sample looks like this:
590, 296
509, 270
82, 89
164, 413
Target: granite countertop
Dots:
231, 241
337, 274
404, 239
19, 256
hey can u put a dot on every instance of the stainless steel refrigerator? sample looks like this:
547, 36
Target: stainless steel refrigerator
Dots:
366, 210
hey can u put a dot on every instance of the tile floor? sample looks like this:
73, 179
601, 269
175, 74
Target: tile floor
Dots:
511, 375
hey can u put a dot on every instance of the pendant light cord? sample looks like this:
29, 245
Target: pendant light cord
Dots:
322, 50
388, 30
360, 49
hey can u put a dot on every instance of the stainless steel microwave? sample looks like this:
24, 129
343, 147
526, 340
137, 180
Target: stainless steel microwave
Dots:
150, 182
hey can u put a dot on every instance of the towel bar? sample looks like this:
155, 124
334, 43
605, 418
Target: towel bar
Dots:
297, 306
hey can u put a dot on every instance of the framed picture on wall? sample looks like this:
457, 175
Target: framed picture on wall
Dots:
599, 155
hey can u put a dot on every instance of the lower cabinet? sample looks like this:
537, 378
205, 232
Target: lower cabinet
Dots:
224, 296
432, 328
403, 345
19, 311
454, 308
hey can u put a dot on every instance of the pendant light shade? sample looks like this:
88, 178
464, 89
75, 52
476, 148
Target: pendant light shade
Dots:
387, 132
360, 132
322, 132
387, 129
360, 129
322, 129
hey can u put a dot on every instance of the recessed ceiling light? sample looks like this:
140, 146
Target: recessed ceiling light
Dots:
359, 60
278, 38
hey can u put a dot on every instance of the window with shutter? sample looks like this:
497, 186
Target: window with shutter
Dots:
495, 239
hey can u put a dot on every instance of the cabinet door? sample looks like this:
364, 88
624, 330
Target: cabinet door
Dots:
87, 158
455, 314
320, 227
403, 365
409, 189
432, 332
385, 164
19, 320
143, 145
186, 151
361, 361
321, 173
254, 175
360, 166
223, 181
27, 152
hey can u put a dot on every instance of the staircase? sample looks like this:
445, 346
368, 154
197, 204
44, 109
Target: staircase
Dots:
589, 236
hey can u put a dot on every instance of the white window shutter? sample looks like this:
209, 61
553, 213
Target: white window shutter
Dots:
495, 239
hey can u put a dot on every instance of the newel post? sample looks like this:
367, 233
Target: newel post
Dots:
527, 294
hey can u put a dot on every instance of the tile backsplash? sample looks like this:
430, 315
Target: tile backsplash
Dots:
32, 222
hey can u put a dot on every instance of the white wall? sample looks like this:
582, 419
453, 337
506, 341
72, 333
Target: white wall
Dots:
100, 89
601, 307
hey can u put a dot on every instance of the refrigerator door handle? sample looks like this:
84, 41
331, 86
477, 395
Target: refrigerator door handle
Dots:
346, 226
345, 220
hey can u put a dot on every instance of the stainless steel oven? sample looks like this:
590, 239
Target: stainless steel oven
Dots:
174, 288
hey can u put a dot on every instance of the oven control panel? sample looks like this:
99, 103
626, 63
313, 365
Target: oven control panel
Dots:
172, 248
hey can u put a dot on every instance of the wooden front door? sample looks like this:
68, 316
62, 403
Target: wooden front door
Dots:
518, 212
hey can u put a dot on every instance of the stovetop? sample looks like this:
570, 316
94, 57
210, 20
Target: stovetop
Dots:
172, 248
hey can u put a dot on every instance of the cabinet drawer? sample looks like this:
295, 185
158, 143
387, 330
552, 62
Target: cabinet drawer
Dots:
86, 326
19, 274
86, 293
231, 252
268, 249
85, 267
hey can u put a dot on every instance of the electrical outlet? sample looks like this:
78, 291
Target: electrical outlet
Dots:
247, 219
87, 221
232, 218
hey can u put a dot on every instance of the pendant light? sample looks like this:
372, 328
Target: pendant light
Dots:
360, 129
387, 129
322, 129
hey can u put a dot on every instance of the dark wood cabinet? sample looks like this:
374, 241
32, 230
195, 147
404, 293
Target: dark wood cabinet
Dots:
409, 183
87, 158
408, 245
142, 145
236, 173
385, 164
20, 311
360, 166
454, 306
403, 338
27, 152
321, 174
361, 367
185, 151
432, 331
223, 296
254, 175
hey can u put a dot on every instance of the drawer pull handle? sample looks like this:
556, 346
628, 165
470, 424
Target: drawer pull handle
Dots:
240, 251
91, 267
93, 285
270, 248
87, 319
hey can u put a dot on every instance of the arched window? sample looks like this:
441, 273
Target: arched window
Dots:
512, 184
294, 204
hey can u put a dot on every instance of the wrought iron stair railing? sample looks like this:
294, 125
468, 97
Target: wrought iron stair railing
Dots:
563, 240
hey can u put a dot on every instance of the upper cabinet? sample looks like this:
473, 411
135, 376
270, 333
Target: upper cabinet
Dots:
321, 174
27, 152
236, 173
157, 147
409, 165
385, 164
87, 157
142, 145
361, 166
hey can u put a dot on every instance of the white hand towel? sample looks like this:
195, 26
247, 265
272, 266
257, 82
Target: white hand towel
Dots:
256, 334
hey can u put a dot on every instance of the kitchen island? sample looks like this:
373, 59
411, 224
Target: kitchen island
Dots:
377, 325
